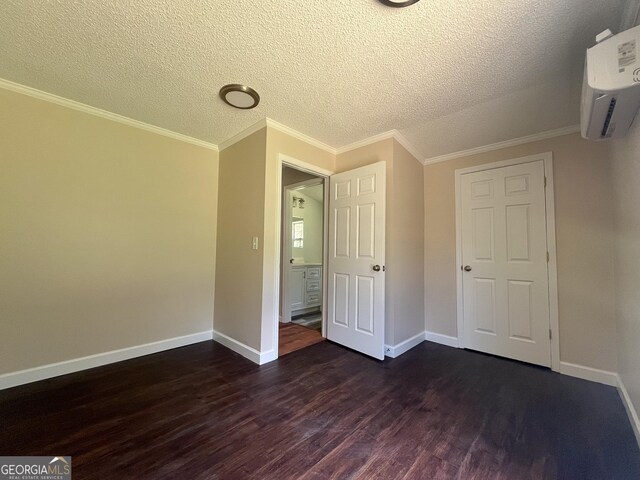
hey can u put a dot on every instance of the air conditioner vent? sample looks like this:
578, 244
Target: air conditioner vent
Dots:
607, 120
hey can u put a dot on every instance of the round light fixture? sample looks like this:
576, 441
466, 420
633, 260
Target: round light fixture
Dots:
240, 96
398, 3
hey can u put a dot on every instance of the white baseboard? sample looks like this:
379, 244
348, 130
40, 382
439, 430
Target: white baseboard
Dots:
631, 409
588, 373
268, 356
394, 351
442, 339
21, 377
245, 350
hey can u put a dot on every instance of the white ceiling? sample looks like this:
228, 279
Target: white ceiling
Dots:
448, 74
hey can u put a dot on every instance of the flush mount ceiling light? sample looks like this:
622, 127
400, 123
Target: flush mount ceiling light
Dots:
240, 96
398, 3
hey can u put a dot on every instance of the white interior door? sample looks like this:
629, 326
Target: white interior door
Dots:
356, 276
504, 256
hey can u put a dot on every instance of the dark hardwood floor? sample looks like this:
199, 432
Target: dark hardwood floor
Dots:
293, 337
323, 412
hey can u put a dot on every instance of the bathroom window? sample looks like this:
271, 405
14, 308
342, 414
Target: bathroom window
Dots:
298, 233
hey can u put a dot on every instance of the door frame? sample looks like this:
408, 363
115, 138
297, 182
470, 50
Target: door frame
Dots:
287, 161
286, 241
552, 267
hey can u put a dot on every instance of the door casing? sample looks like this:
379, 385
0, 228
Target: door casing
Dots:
287, 161
552, 268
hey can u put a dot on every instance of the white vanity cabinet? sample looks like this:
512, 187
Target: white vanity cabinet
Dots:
305, 289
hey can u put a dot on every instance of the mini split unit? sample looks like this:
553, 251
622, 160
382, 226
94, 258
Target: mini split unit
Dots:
611, 86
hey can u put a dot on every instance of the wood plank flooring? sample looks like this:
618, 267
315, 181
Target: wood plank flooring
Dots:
294, 337
204, 412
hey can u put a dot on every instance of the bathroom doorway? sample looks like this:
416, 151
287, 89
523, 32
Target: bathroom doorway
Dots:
302, 260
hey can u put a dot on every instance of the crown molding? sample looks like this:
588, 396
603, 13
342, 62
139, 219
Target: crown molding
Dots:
65, 102
395, 134
300, 136
558, 132
365, 142
401, 139
98, 112
268, 122
259, 125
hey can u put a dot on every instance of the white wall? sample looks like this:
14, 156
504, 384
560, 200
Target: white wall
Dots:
313, 216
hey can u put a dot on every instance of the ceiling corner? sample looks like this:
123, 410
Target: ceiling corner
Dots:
402, 140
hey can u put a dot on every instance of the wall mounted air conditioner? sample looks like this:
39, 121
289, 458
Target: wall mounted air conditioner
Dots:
611, 85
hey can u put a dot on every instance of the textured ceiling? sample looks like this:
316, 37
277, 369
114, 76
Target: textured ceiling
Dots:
449, 75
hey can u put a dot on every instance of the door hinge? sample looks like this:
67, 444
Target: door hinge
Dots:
545, 182
547, 257
550, 334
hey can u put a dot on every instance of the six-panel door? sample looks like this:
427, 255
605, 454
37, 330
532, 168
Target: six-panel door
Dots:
504, 249
356, 278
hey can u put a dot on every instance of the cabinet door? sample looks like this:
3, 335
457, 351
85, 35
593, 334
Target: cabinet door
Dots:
314, 299
312, 285
314, 272
297, 288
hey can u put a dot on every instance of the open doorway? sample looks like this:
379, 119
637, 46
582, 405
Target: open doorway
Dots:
302, 260
352, 270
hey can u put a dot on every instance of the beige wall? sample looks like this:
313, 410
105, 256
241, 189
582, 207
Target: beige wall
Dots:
107, 237
246, 299
240, 218
404, 293
254, 322
584, 223
279, 143
407, 233
625, 157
